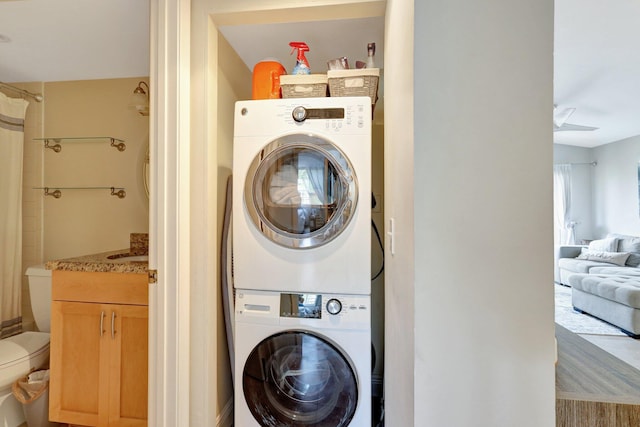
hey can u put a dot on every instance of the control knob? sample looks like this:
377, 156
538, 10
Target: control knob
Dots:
299, 114
334, 306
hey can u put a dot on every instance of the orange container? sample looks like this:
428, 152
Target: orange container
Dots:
266, 79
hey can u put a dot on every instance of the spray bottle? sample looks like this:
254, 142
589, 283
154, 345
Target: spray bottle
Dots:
302, 65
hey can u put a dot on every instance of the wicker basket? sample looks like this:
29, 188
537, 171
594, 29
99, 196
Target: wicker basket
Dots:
356, 82
303, 85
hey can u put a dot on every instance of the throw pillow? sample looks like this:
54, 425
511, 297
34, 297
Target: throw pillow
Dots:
617, 258
630, 244
626, 243
633, 260
609, 244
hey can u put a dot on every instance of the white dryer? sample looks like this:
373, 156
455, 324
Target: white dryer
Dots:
302, 195
302, 359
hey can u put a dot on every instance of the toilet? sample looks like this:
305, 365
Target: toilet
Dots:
27, 351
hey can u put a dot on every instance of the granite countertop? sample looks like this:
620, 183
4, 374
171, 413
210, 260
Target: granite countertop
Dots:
101, 263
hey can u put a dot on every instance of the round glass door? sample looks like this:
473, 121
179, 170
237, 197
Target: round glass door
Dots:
296, 378
301, 191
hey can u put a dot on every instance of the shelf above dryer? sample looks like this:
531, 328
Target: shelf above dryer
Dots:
55, 144
56, 192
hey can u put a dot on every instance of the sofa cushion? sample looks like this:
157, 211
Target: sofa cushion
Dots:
622, 289
579, 265
617, 258
608, 244
611, 269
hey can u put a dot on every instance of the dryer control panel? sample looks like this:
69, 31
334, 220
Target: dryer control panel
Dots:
300, 113
343, 115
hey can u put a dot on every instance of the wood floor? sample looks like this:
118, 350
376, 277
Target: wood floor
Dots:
593, 387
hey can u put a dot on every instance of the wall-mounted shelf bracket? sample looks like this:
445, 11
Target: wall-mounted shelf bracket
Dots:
120, 193
55, 147
118, 144
55, 193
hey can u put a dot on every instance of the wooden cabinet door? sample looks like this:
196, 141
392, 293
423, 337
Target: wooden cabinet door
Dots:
128, 366
78, 351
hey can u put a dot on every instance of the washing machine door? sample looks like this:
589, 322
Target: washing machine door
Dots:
301, 191
297, 378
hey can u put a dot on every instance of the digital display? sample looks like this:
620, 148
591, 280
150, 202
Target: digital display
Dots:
301, 306
325, 113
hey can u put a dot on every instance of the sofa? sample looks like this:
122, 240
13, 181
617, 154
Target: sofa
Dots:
615, 254
609, 297
605, 279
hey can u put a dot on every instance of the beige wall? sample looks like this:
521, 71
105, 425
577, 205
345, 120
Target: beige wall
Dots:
85, 221
234, 84
82, 221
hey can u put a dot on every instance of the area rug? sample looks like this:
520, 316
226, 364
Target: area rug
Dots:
576, 322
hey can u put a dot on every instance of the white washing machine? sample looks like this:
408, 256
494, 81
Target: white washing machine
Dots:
302, 195
302, 359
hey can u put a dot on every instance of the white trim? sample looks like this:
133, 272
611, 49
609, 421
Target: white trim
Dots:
169, 224
205, 327
400, 327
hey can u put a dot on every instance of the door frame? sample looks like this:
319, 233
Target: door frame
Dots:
169, 225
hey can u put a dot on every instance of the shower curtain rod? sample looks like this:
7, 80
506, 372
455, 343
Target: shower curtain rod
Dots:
38, 97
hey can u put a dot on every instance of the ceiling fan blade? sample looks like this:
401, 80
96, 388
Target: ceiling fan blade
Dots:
571, 127
560, 117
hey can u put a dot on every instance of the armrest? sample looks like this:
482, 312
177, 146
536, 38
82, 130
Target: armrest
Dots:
565, 251
569, 251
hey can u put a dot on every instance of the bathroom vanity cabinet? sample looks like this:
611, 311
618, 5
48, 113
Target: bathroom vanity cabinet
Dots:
99, 348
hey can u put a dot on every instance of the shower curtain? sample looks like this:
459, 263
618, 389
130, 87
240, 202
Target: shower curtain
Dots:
12, 113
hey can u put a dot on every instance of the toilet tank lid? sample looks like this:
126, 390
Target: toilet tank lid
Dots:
38, 270
21, 346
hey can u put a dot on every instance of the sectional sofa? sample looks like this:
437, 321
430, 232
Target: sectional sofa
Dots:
605, 279
615, 254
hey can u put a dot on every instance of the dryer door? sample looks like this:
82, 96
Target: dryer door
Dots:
301, 191
299, 378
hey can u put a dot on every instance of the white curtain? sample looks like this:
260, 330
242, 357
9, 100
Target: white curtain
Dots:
563, 225
12, 113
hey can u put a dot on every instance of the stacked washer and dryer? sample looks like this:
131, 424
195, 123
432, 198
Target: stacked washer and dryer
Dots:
302, 256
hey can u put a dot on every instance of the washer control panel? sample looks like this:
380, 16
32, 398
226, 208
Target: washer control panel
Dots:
287, 308
334, 306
